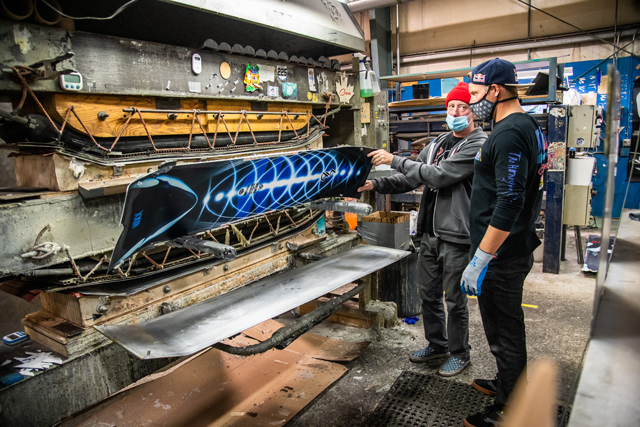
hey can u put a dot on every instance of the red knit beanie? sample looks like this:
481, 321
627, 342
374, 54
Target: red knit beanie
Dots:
459, 93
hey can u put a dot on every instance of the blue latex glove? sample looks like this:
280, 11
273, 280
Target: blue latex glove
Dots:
473, 275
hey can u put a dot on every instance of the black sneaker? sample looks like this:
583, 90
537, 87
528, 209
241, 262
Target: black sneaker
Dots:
428, 353
489, 387
491, 417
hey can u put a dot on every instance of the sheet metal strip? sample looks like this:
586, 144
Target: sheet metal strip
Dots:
191, 329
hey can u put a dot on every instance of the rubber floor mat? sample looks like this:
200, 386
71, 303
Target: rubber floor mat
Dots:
417, 399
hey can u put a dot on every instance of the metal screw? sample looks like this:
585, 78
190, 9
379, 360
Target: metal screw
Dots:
166, 289
225, 267
259, 116
280, 246
102, 309
102, 116
172, 116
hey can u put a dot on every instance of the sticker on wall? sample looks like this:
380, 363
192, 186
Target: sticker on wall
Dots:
314, 98
345, 91
323, 82
225, 70
312, 80
289, 90
272, 91
267, 73
282, 73
252, 78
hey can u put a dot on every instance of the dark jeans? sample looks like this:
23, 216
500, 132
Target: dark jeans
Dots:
440, 268
500, 305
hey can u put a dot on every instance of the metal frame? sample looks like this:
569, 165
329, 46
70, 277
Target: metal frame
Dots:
191, 329
551, 98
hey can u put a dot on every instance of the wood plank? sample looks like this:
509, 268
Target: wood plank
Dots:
56, 172
41, 327
52, 344
36, 171
66, 306
87, 108
93, 189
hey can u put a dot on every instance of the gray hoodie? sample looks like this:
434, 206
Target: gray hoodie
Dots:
451, 180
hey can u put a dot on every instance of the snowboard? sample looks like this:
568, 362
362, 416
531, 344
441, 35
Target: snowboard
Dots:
182, 200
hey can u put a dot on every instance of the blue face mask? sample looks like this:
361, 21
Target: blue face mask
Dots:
457, 123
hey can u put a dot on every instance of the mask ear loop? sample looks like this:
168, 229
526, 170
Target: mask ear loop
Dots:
505, 100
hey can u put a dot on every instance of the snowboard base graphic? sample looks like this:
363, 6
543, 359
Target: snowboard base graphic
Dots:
183, 200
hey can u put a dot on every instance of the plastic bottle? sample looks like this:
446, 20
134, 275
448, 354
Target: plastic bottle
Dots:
375, 86
366, 90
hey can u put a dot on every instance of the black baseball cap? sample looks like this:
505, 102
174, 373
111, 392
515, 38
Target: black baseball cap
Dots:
496, 71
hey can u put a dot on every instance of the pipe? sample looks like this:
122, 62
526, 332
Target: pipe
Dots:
398, 40
288, 334
16, 10
43, 14
557, 41
339, 206
216, 249
364, 5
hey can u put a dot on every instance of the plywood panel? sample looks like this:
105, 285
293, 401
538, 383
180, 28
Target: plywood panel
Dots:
87, 108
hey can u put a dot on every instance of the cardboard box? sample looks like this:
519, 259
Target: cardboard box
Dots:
388, 229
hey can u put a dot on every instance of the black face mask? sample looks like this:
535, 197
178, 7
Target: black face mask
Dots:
484, 108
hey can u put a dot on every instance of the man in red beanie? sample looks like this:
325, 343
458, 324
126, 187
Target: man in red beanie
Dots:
445, 168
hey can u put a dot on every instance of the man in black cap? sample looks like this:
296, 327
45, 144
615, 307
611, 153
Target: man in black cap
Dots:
505, 202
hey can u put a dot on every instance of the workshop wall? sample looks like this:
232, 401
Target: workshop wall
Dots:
427, 25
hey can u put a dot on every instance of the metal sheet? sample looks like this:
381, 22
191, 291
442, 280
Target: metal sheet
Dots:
191, 329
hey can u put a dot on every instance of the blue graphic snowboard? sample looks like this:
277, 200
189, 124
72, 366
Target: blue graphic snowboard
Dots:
187, 199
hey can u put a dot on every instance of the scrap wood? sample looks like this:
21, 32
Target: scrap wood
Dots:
170, 368
217, 389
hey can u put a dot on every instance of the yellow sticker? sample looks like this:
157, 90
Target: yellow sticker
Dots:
315, 97
309, 96
384, 145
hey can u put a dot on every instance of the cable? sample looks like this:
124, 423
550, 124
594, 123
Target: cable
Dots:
116, 13
577, 28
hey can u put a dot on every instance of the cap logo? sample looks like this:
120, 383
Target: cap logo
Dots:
478, 78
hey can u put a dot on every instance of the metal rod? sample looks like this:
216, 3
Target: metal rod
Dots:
274, 113
397, 44
529, 29
611, 152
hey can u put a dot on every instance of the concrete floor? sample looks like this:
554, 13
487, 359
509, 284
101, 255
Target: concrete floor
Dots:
557, 328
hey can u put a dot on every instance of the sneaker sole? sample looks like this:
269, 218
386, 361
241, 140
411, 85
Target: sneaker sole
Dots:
427, 359
482, 390
454, 373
